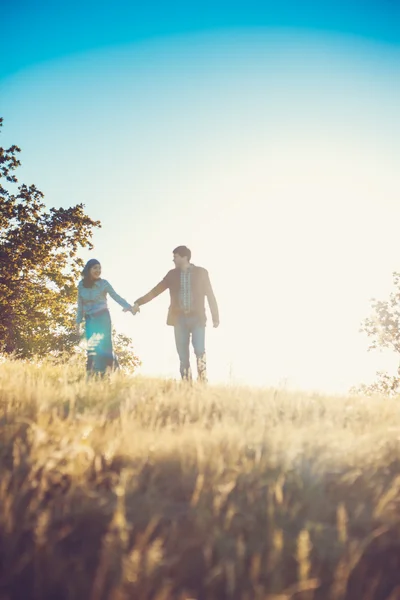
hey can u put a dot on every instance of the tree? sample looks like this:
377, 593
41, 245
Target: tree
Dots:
39, 266
383, 327
123, 347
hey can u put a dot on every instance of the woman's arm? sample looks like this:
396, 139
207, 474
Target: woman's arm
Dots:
110, 290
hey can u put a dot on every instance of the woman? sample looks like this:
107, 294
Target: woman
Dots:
92, 305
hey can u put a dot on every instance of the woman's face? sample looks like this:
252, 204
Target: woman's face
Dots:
95, 272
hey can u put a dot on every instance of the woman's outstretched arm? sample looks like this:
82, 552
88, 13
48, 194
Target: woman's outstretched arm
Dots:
121, 301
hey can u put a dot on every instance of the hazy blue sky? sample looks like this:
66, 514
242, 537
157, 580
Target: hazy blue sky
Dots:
265, 136
37, 31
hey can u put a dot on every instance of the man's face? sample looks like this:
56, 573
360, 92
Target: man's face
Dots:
178, 260
95, 272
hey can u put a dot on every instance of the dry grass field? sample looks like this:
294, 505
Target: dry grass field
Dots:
143, 489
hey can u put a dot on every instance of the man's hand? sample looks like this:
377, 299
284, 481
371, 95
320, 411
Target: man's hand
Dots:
133, 309
216, 323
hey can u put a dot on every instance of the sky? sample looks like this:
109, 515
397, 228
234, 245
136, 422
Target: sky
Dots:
265, 136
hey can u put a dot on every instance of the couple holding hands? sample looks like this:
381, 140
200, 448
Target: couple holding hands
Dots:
188, 285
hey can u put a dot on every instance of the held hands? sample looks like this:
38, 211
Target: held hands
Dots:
133, 309
215, 323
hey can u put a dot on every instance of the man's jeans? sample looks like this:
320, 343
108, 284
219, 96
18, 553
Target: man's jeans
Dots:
189, 326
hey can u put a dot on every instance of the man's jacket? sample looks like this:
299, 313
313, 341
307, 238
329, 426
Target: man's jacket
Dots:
200, 288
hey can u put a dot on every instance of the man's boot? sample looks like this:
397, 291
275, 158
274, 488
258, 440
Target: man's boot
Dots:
202, 368
186, 374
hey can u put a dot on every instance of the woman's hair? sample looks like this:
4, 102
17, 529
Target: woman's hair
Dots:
87, 281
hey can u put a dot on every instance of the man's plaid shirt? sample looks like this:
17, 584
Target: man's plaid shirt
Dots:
185, 295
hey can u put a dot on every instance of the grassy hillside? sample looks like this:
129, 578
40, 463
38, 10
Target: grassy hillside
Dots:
143, 489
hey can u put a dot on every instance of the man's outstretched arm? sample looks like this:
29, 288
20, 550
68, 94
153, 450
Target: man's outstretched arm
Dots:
212, 302
156, 291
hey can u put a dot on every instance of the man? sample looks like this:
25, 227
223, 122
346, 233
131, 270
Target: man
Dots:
188, 286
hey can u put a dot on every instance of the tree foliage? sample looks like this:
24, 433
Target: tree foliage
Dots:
383, 328
39, 266
123, 347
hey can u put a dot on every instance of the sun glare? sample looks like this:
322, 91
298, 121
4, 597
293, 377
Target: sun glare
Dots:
279, 177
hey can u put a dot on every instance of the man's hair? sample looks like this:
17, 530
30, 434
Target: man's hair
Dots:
183, 251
